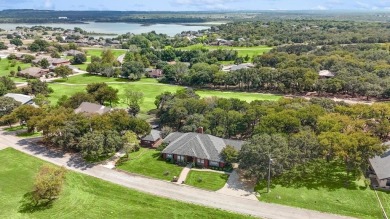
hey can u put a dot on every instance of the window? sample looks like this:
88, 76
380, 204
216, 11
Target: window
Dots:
180, 158
200, 161
169, 156
214, 163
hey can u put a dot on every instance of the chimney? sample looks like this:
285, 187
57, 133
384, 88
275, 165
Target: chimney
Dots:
200, 130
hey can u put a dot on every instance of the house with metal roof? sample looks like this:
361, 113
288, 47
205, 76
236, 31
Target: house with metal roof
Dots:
380, 170
152, 140
91, 108
23, 99
201, 149
237, 67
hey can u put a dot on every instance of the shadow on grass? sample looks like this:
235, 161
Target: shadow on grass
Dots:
29, 135
29, 206
14, 128
316, 175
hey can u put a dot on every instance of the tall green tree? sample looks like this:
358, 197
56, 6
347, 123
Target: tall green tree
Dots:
133, 100
256, 153
63, 71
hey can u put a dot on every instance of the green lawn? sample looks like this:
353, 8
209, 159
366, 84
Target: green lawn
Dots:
5, 68
148, 162
60, 90
88, 79
242, 51
14, 128
150, 87
98, 52
86, 197
249, 97
325, 187
29, 135
206, 180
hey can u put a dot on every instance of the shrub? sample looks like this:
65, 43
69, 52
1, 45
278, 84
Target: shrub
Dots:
162, 147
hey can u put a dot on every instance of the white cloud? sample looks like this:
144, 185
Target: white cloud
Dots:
206, 4
48, 4
321, 7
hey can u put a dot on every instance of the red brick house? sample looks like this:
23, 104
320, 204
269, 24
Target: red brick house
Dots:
152, 140
201, 149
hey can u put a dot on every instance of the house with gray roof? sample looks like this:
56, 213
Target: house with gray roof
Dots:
201, 149
237, 67
152, 140
380, 170
23, 99
91, 108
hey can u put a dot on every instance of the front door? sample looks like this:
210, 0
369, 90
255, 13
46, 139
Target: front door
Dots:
190, 159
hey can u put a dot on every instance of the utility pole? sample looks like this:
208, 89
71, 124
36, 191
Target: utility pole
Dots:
269, 173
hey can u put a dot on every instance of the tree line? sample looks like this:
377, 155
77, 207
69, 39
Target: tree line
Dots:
293, 131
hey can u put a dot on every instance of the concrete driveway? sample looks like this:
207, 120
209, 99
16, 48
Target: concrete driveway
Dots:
239, 187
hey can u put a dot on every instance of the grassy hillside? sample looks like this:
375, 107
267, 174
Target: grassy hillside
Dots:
86, 197
326, 187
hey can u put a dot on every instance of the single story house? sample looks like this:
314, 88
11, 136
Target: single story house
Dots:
325, 74
60, 62
201, 149
52, 61
92, 108
154, 73
152, 140
72, 52
380, 170
33, 72
237, 67
23, 99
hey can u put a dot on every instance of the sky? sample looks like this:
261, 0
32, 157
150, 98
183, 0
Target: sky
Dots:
196, 5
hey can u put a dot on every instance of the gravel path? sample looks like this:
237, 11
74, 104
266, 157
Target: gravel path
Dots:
163, 188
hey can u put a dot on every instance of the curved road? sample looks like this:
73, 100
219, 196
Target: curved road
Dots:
162, 188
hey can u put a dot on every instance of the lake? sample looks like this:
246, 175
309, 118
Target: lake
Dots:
118, 28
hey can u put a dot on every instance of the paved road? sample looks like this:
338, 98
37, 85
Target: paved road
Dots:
162, 188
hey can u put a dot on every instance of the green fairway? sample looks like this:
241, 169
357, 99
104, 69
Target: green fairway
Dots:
325, 187
148, 162
86, 197
150, 87
249, 97
242, 51
206, 180
98, 52
60, 90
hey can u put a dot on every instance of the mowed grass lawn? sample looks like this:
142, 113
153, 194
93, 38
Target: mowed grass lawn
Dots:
242, 51
148, 162
86, 197
98, 52
5, 68
326, 187
150, 87
206, 180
